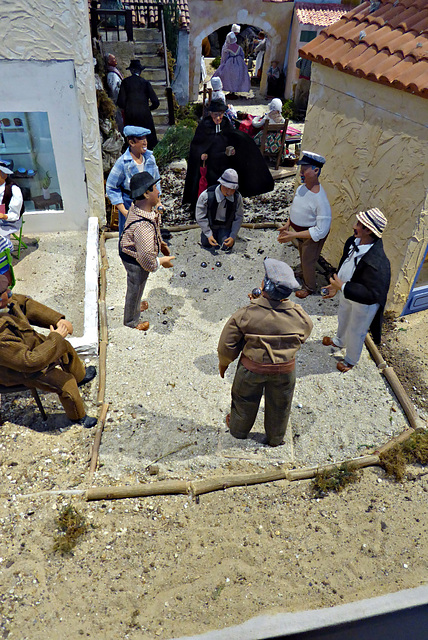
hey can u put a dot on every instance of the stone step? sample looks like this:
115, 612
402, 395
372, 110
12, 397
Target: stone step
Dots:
143, 48
154, 75
147, 35
160, 117
151, 61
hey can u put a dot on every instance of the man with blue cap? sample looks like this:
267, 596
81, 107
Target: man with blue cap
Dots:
310, 220
136, 159
267, 335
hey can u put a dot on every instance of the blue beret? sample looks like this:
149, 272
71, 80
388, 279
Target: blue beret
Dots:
138, 132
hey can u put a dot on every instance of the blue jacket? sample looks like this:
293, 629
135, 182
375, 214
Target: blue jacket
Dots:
122, 172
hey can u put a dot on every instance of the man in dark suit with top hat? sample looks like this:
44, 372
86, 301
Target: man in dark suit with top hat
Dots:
138, 99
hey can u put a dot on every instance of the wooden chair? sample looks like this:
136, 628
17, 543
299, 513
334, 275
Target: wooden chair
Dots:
206, 95
114, 218
19, 239
20, 388
274, 128
6, 259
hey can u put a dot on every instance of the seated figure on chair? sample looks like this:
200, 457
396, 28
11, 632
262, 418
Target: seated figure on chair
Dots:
11, 204
48, 363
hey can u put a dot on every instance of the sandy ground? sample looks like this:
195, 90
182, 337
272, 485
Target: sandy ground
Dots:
168, 566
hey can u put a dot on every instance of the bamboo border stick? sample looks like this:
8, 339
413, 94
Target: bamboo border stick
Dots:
97, 440
402, 397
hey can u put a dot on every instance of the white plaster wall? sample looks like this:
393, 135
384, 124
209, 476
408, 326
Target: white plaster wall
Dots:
55, 30
206, 17
375, 140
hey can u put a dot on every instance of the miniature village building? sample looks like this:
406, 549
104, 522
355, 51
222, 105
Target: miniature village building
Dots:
49, 132
367, 114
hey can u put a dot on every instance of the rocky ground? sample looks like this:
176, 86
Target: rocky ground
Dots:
163, 567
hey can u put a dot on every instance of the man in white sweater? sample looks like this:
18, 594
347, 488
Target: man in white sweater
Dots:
310, 220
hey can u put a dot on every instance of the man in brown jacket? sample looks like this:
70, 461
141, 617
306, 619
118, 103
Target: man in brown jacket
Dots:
48, 363
268, 332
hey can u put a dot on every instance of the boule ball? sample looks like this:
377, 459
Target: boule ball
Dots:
206, 290
204, 264
230, 278
218, 264
183, 274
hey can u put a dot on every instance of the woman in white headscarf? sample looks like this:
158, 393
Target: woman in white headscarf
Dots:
272, 116
233, 71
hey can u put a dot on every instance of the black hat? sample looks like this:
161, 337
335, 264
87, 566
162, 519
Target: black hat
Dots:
135, 65
216, 106
140, 183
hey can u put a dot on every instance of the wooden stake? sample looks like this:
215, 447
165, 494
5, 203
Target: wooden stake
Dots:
374, 351
218, 484
97, 440
402, 397
402, 437
355, 463
164, 487
102, 372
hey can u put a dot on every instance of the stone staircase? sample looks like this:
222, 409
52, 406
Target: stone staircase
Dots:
146, 45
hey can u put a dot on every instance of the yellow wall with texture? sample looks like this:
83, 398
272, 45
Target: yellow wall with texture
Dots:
375, 141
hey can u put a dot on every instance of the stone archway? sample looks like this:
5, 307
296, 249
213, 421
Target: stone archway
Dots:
274, 19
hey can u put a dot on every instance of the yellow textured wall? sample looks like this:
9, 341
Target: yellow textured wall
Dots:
208, 15
375, 140
59, 30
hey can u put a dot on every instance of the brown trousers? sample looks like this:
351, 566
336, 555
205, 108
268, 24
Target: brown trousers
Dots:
310, 252
62, 379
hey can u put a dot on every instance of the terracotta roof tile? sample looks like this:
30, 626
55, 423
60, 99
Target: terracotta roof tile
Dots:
387, 44
320, 15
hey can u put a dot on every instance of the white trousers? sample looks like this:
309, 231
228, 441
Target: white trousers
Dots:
354, 320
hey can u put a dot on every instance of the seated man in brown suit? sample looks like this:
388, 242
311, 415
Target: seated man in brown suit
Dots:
48, 363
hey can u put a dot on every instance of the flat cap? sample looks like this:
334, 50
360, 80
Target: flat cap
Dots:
136, 132
309, 157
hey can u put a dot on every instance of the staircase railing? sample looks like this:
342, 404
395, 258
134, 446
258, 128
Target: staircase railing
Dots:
109, 20
168, 90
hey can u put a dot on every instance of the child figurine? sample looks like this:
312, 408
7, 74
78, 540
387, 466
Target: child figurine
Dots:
274, 81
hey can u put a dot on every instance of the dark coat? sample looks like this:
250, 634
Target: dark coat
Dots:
253, 173
134, 96
370, 282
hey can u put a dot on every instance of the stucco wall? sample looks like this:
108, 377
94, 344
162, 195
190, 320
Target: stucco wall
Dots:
375, 140
49, 30
208, 15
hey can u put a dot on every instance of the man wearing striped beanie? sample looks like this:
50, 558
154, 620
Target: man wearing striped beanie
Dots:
363, 279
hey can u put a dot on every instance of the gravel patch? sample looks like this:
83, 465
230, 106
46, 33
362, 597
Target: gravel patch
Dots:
167, 399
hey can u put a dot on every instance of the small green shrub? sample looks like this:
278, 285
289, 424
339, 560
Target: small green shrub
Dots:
412, 450
174, 145
71, 526
289, 110
216, 62
334, 480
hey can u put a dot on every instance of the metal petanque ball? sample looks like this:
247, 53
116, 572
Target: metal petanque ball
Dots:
183, 274
206, 290
204, 264
218, 264
230, 278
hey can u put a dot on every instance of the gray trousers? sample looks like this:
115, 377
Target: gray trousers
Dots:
247, 390
354, 320
135, 283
